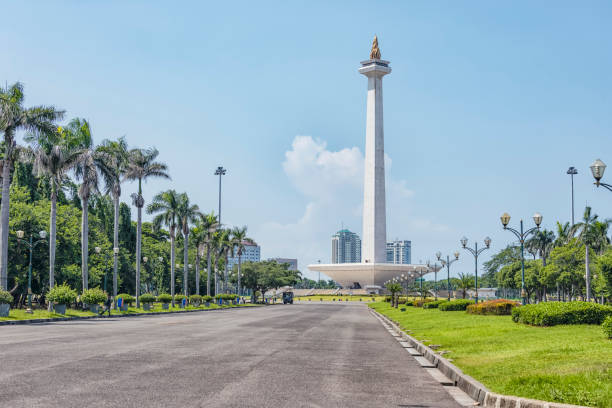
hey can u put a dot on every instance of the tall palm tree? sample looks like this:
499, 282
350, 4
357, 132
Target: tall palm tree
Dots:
543, 242
166, 205
141, 166
188, 214
53, 159
587, 234
564, 234
209, 225
78, 134
14, 117
466, 282
239, 238
198, 240
223, 246
115, 156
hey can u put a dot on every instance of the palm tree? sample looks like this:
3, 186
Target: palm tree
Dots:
141, 166
465, 283
223, 247
166, 204
78, 134
187, 214
14, 117
113, 167
239, 238
198, 240
209, 227
564, 234
587, 234
53, 159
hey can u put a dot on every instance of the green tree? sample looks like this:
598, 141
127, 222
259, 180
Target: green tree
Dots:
239, 238
466, 282
142, 166
14, 117
394, 289
187, 214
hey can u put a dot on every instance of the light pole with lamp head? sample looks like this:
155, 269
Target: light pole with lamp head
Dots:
522, 235
30, 245
106, 258
115, 255
476, 252
220, 172
597, 169
447, 262
572, 172
435, 268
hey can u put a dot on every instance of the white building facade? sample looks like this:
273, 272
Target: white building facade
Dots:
250, 253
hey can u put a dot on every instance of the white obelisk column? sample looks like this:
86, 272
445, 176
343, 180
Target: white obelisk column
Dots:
374, 241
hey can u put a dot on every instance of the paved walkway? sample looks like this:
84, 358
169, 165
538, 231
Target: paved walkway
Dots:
278, 356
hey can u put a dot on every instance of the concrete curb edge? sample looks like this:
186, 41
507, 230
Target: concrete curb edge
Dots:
469, 385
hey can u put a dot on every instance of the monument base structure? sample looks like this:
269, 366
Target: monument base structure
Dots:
369, 276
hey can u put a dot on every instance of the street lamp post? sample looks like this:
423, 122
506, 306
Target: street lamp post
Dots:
597, 168
476, 252
145, 259
447, 262
522, 235
435, 268
572, 172
220, 172
30, 244
115, 255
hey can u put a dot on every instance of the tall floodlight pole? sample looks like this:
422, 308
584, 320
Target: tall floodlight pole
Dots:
447, 262
572, 171
220, 172
476, 252
522, 235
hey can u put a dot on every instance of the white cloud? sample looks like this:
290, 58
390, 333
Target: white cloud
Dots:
331, 183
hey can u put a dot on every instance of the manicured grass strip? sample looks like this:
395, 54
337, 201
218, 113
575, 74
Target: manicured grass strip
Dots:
20, 314
571, 364
329, 298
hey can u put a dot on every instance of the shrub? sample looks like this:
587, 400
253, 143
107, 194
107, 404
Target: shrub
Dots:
62, 294
454, 305
553, 313
606, 326
164, 298
206, 298
433, 304
421, 302
147, 298
179, 298
5, 297
195, 299
127, 298
493, 307
93, 296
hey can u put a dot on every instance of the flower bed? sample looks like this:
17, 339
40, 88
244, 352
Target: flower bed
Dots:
493, 307
553, 313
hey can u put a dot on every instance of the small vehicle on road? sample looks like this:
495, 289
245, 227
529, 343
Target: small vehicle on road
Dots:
287, 298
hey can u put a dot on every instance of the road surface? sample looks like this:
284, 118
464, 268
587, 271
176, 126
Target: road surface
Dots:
301, 355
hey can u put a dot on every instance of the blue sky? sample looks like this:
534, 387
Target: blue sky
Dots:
487, 105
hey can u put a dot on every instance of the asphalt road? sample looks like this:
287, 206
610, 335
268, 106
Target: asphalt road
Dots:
278, 356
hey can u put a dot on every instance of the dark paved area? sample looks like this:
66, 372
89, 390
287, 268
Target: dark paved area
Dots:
277, 356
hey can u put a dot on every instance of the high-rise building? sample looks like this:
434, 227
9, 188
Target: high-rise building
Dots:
399, 252
346, 247
250, 253
293, 266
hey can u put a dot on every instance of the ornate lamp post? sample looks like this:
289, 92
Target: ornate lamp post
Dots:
447, 262
145, 259
30, 244
106, 258
597, 168
522, 235
476, 252
435, 268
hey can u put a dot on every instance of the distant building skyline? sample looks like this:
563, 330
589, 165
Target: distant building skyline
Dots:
346, 247
399, 252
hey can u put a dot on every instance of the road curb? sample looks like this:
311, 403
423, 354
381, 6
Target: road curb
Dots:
469, 385
65, 319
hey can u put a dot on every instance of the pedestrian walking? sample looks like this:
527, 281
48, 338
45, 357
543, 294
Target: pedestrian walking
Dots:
107, 306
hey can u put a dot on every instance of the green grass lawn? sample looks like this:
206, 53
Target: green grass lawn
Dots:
329, 298
20, 314
568, 364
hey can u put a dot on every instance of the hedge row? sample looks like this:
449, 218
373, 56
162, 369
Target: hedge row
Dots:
493, 307
454, 305
5, 297
606, 326
433, 305
553, 313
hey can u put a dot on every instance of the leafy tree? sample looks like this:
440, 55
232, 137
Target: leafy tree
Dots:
506, 256
187, 214
239, 238
466, 282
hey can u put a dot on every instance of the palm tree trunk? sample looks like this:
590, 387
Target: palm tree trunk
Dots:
588, 274
239, 265
115, 244
172, 267
185, 265
84, 242
197, 272
52, 234
225, 285
4, 225
138, 249
207, 269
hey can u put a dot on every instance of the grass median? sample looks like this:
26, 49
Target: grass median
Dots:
331, 298
571, 364
20, 314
